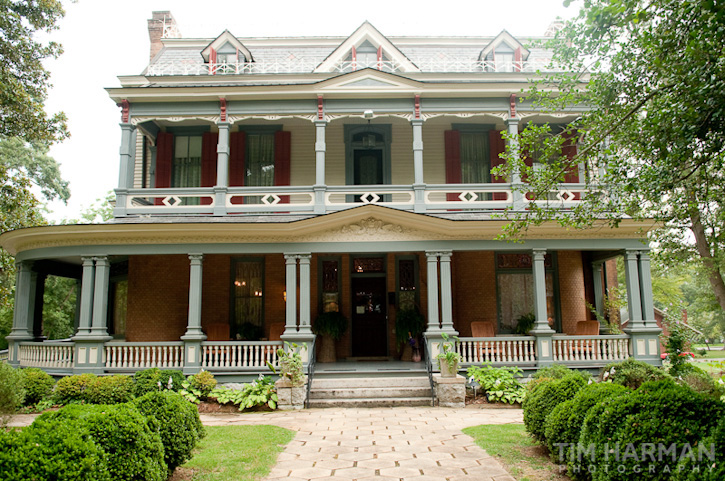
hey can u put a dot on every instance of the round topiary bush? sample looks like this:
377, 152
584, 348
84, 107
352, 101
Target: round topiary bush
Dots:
709, 466
555, 371
12, 392
631, 373
178, 421
540, 401
155, 379
130, 442
72, 389
626, 430
110, 390
57, 451
38, 385
563, 424
700, 381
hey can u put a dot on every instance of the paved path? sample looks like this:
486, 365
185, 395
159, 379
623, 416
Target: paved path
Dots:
380, 444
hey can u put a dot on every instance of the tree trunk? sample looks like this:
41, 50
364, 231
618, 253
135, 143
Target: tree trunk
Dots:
703, 249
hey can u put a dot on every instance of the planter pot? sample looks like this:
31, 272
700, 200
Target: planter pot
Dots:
327, 350
290, 397
407, 354
416, 355
448, 369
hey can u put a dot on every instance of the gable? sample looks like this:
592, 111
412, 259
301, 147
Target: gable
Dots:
504, 42
368, 79
366, 37
225, 43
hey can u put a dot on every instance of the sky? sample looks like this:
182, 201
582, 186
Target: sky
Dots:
103, 39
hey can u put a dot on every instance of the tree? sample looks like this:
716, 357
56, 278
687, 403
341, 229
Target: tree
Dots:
23, 79
653, 138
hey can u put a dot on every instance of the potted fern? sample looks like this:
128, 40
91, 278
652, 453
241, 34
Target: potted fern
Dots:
448, 358
330, 326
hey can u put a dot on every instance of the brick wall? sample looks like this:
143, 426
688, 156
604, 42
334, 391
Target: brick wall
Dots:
571, 290
474, 289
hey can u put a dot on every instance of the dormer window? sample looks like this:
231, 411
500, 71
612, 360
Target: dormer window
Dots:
501, 59
227, 55
503, 54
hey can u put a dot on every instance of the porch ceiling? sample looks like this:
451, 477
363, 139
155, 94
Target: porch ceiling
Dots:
369, 223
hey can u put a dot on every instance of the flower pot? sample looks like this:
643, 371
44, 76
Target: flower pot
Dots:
407, 354
416, 357
327, 350
448, 369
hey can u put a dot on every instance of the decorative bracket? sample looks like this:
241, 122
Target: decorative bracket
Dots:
223, 108
125, 107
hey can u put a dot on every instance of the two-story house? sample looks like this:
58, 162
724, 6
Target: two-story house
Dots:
266, 180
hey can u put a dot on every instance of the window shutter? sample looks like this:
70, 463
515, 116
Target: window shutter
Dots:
354, 58
212, 61
380, 57
237, 151
282, 161
453, 161
497, 146
518, 60
209, 142
164, 154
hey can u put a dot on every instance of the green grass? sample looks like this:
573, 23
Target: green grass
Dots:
711, 355
237, 452
525, 459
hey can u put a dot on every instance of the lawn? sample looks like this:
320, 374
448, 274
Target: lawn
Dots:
236, 453
510, 444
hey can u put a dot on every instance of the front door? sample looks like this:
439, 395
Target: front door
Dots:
369, 317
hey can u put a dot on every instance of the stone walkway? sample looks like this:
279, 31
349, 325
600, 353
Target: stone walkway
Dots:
416, 443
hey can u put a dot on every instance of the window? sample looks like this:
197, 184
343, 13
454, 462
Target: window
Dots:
248, 299
186, 166
472, 150
260, 159
475, 165
515, 288
330, 284
407, 282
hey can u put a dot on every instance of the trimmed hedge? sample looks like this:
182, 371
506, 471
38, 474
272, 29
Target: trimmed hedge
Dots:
38, 385
148, 380
700, 381
57, 451
72, 389
703, 468
631, 373
110, 390
178, 424
131, 444
542, 399
563, 425
555, 371
658, 413
12, 392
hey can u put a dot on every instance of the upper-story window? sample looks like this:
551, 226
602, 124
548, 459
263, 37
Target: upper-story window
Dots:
501, 59
366, 55
186, 166
260, 159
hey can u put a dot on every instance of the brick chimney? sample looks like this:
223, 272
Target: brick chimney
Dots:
161, 25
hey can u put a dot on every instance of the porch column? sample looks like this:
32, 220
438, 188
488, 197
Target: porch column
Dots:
222, 170
290, 324
642, 328
38, 298
320, 149
597, 272
418, 182
125, 175
21, 330
152, 166
542, 331
305, 326
446, 295
100, 299
634, 298
512, 126
434, 324
194, 336
86, 302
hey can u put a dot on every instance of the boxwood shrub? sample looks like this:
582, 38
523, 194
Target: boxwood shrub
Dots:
631, 373
702, 467
72, 389
38, 385
555, 371
110, 390
539, 402
563, 424
155, 379
131, 444
204, 382
57, 451
700, 381
12, 392
178, 424
659, 413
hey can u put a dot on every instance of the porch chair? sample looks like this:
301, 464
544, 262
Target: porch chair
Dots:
585, 328
218, 331
484, 329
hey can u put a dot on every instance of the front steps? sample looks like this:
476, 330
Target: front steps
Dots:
370, 389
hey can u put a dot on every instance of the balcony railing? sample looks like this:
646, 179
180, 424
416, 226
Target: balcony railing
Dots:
308, 65
51, 355
432, 198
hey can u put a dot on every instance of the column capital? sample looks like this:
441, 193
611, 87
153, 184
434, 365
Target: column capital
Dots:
511, 121
24, 266
127, 126
196, 257
439, 253
304, 258
538, 254
631, 254
224, 124
419, 121
101, 260
321, 122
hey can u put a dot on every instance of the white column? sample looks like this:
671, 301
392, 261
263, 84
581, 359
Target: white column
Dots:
125, 173
634, 298
320, 149
512, 126
598, 287
419, 180
539, 271
222, 152
86, 306
305, 325
433, 319
100, 297
645, 287
193, 326
446, 294
291, 283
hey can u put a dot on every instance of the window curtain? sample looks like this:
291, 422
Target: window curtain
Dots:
187, 161
475, 167
260, 164
248, 300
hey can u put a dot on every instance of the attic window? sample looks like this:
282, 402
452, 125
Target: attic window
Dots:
366, 55
503, 58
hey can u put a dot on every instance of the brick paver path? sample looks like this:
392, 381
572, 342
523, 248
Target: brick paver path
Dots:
416, 443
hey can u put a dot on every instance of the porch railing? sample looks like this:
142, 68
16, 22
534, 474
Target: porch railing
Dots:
304, 200
145, 355
510, 350
591, 348
231, 354
4, 355
53, 355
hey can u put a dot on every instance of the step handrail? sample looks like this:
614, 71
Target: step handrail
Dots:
429, 367
310, 371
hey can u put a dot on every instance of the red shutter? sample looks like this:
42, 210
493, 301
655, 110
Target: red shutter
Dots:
164, 154
237, 151
497, 146
453, 160
282, 161
209, 142
568, 149
518, 60
380, 58
212, 61
354, 58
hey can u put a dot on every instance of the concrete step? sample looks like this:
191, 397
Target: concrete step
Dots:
327, 382
371, 393
369, 402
